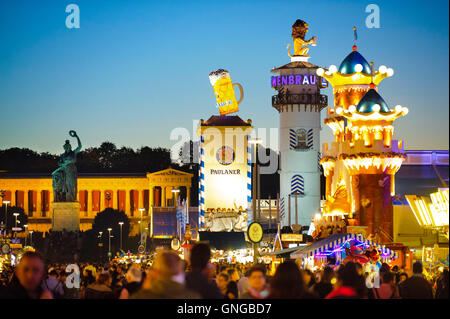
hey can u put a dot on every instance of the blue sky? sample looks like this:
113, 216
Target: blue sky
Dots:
137, 69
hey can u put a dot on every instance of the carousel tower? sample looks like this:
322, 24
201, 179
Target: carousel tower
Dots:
299, 103
363, 159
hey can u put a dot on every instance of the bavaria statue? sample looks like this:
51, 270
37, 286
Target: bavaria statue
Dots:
65, 176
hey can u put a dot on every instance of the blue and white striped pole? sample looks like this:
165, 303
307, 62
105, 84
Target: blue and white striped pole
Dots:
250, 213
201, 205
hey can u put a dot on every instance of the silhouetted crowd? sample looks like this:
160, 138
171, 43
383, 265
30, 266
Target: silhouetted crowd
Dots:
170, 277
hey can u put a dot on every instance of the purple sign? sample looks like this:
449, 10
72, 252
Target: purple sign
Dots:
298, 79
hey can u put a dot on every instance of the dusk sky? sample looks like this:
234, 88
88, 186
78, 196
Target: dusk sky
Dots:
135, 70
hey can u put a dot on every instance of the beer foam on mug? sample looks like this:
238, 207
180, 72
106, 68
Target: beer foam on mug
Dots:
218, 74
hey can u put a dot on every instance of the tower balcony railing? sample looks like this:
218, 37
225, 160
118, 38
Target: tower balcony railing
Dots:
318, 99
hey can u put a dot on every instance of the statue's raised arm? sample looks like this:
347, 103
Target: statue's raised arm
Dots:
74, 134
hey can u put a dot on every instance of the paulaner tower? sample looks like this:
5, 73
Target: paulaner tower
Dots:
299, 103
361, 163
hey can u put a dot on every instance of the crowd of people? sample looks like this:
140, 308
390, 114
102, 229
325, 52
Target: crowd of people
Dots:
170, 277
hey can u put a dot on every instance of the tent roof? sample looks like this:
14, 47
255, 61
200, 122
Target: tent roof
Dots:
329, 244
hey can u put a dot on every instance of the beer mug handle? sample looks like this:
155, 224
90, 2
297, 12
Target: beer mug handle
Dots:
242, 92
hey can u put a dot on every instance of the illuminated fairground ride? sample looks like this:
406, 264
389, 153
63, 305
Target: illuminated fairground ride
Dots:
360, 165
432, 214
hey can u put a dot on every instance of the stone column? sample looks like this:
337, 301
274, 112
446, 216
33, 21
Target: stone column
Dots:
141, 198
89, 203
115, 199
13, 198
150, 196
163, 196
51, 199
128, 202
38, 203
26, 202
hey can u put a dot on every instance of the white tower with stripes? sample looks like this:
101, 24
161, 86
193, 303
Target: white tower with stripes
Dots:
225, 179
299, 103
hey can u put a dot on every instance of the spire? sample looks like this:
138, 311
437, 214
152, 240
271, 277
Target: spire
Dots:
355, 37
372, 69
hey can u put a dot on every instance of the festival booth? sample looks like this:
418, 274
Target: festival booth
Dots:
340, 248
227, 246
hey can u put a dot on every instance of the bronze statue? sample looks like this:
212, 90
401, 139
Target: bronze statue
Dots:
299, 29
65, 176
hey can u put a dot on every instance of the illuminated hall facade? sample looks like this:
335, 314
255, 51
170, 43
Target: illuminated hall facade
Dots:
151, 192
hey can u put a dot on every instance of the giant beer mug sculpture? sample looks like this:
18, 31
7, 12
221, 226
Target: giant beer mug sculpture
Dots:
224, 91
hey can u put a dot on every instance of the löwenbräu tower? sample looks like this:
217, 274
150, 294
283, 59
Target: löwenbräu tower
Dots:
299, 103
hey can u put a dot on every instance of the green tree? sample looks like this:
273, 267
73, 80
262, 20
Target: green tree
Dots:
22, 218
110, 218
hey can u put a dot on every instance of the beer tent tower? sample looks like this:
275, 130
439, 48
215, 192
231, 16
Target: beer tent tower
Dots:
299, 103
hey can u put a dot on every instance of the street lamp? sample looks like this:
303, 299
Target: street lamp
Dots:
15, 224
15, 215
31, 238
140, 224
256, 193
109, 243
121, 224
6, 202
26, 227
175, 194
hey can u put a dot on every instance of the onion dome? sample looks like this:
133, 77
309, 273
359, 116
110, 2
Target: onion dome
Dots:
369, 102
348, 66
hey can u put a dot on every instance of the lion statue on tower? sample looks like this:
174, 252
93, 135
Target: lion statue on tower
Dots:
299, 30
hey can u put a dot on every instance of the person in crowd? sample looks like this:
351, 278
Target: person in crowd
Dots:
324, 286
210, 272
232, 288
222, 282
387, 289
89, 274
53, 284
308, 279
133, 279
69, 293
168, 281
243, 283
199, 279
348, 283
416, 286
287, 283
442, 286
258, 288
26, 282
100, 289
402, 278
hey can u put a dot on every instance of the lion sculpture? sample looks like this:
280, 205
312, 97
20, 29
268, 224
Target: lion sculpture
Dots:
299, 29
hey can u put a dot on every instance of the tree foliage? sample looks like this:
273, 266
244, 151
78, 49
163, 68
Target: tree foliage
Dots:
110, 218
22, 218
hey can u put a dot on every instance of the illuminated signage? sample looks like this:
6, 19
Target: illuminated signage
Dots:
225, 171
224, 91
298, 79
292, 237
225, 155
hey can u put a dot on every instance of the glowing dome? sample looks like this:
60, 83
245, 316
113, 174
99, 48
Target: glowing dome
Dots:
369, 102
348, 66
